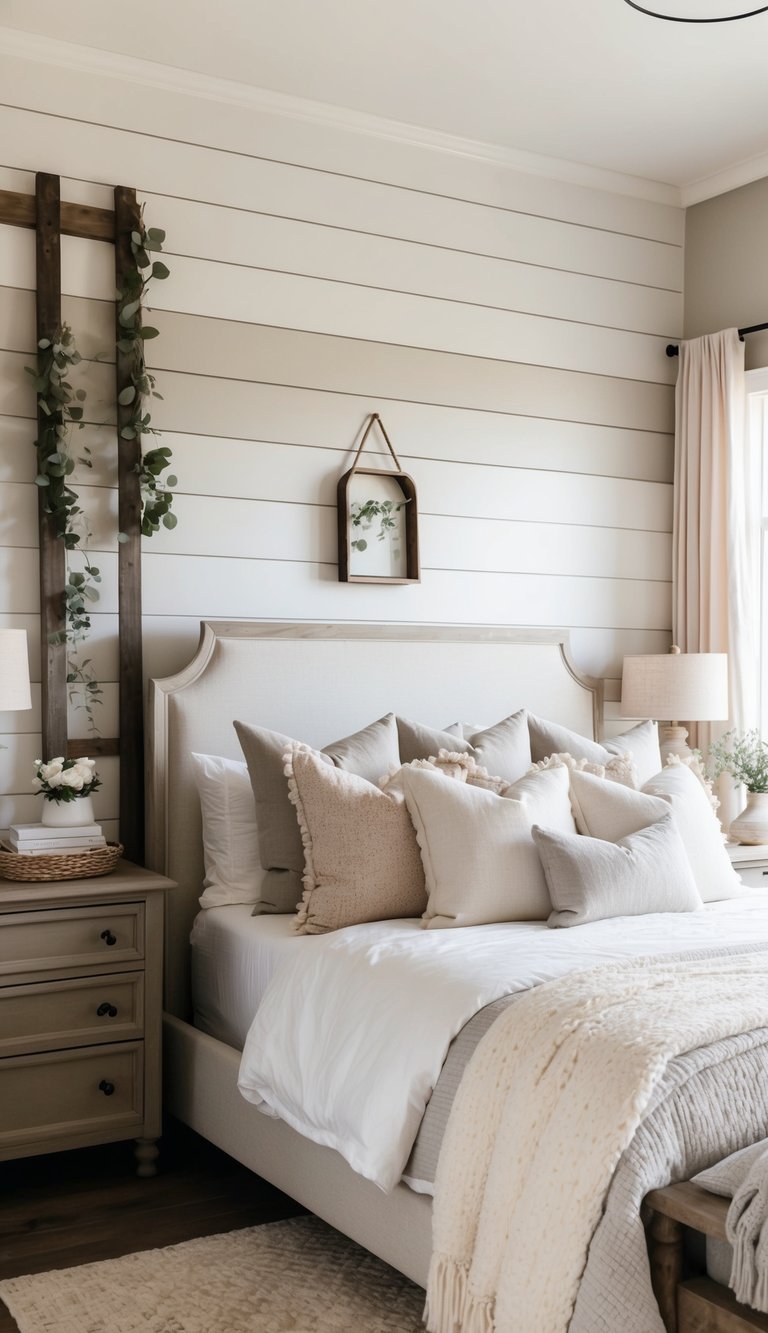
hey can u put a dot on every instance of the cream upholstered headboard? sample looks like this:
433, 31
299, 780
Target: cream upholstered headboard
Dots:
318, 683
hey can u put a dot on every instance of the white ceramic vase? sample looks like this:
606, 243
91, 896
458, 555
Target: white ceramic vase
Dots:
751, 826
68, 814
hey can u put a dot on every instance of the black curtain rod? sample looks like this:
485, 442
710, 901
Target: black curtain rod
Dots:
674, 350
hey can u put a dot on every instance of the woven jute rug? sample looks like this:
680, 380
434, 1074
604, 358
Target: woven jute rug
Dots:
298, 1276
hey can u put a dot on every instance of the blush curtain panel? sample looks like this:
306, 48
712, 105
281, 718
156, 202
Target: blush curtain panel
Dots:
716, 533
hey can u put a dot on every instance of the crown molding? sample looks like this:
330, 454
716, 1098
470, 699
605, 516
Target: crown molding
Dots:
720, 182
189, 83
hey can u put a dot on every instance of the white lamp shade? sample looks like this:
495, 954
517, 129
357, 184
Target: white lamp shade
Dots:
14, 671
687, 687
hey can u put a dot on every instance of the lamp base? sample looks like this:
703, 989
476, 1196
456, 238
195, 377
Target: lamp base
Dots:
673, 739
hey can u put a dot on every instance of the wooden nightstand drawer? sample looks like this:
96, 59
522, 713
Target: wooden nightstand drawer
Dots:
69, 1093
79, 1012
68, 938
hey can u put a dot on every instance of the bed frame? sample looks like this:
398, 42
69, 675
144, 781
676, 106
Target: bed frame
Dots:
317, 683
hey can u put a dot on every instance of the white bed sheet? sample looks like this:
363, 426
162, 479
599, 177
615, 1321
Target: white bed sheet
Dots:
234, 956
347, 1045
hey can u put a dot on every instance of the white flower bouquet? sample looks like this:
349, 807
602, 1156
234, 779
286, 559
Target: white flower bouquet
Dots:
65, 779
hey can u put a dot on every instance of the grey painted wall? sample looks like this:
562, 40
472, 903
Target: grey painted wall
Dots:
726, 266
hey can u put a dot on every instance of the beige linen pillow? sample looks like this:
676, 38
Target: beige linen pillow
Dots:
368, 753
641, 743
480, 861
361, 859
590, 879
503, 749
605, 810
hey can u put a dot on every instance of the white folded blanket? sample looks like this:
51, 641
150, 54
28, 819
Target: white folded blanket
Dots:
746, 1227
550, 1100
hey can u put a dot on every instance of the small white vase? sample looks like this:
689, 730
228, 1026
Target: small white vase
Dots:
68, 814
751, 827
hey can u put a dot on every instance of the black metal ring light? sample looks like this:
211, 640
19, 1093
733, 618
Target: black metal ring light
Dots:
679, 18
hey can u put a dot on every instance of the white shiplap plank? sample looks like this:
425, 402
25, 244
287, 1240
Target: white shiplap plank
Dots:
362, 205
195, 585
254, 240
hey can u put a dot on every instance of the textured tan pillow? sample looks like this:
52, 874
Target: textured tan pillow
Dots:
479, 857
369, 753
361, 859
503, 749
590, 879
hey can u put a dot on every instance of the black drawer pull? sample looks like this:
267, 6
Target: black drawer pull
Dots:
108, 938
106, 1088
106, 1010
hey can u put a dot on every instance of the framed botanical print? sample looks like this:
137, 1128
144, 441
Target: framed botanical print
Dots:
378, 521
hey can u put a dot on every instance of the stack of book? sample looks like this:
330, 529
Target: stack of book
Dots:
44, 840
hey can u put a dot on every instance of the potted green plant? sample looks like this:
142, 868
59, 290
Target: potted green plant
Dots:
746, 759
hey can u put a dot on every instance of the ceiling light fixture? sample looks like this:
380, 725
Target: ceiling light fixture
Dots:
682, 17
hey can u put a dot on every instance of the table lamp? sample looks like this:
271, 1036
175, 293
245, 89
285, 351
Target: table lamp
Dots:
675, 685
14, 671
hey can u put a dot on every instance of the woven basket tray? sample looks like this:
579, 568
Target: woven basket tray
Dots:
60, 865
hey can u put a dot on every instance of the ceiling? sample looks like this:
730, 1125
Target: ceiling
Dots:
591, 81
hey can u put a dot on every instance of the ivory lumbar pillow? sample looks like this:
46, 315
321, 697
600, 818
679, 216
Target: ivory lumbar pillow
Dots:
606, 810
503, 749
233, 873
369, 753
361, 859
480, 861
590, 879
641, 743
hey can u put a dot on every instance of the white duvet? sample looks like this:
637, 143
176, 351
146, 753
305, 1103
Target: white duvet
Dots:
348, 1042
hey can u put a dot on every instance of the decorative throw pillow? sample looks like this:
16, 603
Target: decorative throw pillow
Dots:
479, 857
361, 859
503, 749
590, 879
367, 753
605, 810
641, 743
233, 873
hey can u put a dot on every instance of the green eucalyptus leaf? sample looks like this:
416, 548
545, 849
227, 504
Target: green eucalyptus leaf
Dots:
171, 480
41, 480
126, 396
122, 537
160, 270
169, 520
146, 331
43, 343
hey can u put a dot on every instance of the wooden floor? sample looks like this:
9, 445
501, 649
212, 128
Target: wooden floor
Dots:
77, 1207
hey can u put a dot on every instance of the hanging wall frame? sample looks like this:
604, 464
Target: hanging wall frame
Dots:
378, 520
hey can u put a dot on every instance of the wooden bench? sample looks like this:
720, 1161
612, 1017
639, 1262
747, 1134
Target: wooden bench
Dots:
694, 1305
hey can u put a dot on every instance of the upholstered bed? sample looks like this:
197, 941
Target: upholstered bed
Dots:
314, 682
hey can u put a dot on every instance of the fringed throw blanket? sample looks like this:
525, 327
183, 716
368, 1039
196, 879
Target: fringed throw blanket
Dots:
747, 1230
551, 1099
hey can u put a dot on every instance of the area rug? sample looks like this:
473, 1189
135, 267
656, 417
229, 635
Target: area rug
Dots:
298, 1276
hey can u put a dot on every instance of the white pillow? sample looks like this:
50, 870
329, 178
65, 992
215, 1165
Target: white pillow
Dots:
233, 872
606, 810
590, 879
480, 861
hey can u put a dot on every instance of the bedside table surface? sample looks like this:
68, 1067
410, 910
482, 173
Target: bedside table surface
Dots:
742, 855
126, 879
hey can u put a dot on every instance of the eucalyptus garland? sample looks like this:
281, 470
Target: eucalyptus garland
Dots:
156, 496
61, 408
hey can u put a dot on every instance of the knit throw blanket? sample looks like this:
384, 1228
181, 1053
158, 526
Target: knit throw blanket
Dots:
747, 1230
552, 1097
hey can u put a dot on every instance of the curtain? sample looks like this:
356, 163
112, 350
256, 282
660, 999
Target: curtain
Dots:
716, 534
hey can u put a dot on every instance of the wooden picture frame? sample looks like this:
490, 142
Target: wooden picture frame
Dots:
378, 521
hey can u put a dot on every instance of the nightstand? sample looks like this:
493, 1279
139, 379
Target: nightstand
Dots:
81, 965
751, 863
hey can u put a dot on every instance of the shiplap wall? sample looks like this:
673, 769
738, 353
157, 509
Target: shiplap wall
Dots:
510, 329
